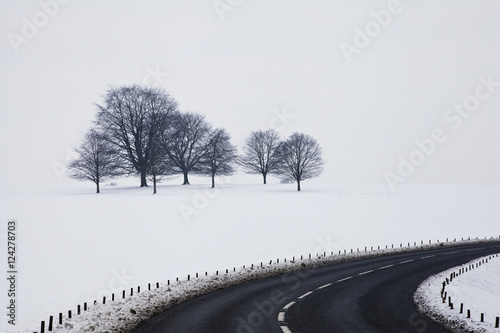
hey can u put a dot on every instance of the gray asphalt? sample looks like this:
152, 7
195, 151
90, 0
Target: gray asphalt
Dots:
378, 301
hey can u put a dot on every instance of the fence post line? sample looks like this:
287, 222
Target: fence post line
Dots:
60, 318
69, 314
78, 309
497, 322
51, 319
42, 327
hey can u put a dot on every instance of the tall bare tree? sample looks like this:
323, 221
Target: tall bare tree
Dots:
96, 159
260, 153
186, 144
133, 117
300, 157
220, 155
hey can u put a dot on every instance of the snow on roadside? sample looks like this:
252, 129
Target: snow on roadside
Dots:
124, 315
476, 284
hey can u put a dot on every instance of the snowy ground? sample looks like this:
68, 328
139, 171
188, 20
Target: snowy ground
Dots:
477, 288
75, 246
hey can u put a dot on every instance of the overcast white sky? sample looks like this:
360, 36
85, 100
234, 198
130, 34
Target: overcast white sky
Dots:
263, 57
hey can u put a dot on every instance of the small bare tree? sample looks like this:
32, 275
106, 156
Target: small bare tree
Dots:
96, 159
185, 144
161, 167
260, 153
300, 157
220, 155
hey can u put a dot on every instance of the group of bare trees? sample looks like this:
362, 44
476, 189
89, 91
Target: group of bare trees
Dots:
139, 130
297, 158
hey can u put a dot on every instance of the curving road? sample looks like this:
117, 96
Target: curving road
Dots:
370, 295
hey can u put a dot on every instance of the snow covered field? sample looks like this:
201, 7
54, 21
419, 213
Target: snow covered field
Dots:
75, 246
478, 289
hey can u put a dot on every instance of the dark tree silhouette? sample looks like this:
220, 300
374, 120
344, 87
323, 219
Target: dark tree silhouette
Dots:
186, 143
260, 153
300, 158
220, 155
96, 159
133, 117
161, 166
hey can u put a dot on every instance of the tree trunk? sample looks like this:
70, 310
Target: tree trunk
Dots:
143, 179
97, 184
186, 180
213, 180
264, 175
298, 185
154, 184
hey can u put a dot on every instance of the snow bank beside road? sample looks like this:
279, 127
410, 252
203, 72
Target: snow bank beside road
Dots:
476, 284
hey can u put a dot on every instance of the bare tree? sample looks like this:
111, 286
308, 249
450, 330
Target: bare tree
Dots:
161, 166
96, 159
220, 155
260, 153
186, 144
300, 157
133, 117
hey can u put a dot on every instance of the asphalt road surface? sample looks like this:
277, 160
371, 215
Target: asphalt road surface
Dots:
370, 295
